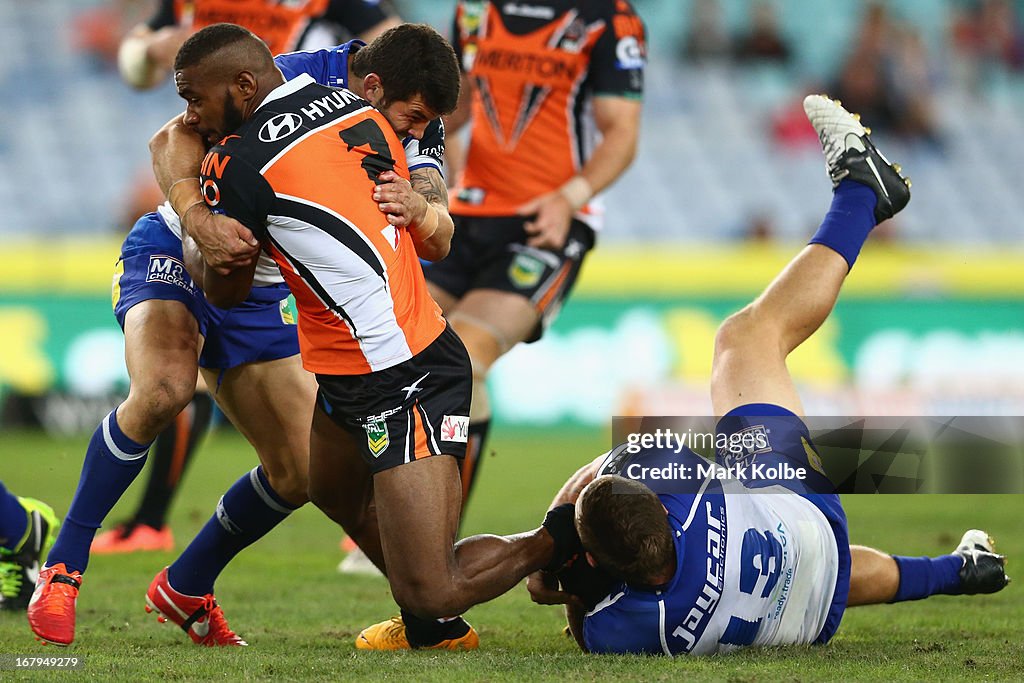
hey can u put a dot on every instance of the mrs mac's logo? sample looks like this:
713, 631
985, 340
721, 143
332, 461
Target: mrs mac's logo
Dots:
169, 270
455, 428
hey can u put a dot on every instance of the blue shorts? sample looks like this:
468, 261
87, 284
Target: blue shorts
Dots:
788, 441
151, 266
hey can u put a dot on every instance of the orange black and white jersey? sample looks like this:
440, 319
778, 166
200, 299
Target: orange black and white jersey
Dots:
282, 24
535, 67
300, 174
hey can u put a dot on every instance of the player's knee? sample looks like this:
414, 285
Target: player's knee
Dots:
738, 329
289, 481
157, 401
483, 346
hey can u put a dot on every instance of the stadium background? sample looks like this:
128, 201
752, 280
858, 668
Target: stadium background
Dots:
727, 183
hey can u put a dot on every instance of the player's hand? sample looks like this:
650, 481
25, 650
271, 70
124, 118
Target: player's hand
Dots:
403, 206
225, 243
549, 227
543, 588
164, 44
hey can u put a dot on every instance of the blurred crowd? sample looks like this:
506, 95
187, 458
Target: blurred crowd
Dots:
889, 73
887, 64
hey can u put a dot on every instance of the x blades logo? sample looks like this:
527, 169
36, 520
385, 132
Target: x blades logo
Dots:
280, 127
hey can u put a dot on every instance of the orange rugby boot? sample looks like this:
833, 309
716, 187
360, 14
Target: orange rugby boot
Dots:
390, 635
200, 617
51, 611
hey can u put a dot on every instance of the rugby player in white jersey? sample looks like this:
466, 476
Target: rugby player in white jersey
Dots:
706, 564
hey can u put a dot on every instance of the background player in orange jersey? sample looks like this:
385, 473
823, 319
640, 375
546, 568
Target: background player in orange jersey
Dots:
145, 59
390, 420
554, 90
147, 53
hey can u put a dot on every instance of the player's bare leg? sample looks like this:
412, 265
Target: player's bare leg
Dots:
341, 485
432, 579
162, 343
489, 322
877, 577
271, 403
751, 346
169, 458
161, 351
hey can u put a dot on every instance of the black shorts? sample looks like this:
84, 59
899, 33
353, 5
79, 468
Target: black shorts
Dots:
491, 253
410, 411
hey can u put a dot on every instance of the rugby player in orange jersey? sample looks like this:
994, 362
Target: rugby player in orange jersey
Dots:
248, 353
394, 380
145, 59
553, 88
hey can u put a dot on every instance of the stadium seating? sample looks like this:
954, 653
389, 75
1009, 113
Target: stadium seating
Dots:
74, 137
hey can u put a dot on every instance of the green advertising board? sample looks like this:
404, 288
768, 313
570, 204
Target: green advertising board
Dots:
637, 334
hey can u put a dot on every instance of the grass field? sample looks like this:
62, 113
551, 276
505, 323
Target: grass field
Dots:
300, 617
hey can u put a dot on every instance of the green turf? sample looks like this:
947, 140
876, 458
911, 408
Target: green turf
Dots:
300, 617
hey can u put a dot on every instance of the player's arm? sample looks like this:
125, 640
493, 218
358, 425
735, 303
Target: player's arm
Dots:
230, 289
234, 187
574, 616
421, 205
177, 154
543, 586
618, 120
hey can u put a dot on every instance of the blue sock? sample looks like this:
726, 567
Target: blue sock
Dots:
244, 515
924, 576
849, 220
13, 519
112, 462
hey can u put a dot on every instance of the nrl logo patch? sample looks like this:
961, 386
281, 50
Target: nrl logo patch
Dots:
376, 436
525, 271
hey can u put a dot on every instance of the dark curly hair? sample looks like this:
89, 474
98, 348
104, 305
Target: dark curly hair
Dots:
412, 59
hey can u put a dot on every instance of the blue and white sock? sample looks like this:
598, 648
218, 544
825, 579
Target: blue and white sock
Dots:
849, 220
921, 577
244, 515
112, 462
13, 519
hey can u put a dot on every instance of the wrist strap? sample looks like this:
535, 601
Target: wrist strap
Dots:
577, 192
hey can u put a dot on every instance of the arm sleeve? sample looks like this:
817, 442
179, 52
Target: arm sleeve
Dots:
429, 151
163, 16
232, 186
357, 16
618, 59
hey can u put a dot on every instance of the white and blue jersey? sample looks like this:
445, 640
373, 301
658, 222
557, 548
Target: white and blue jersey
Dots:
761, 568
